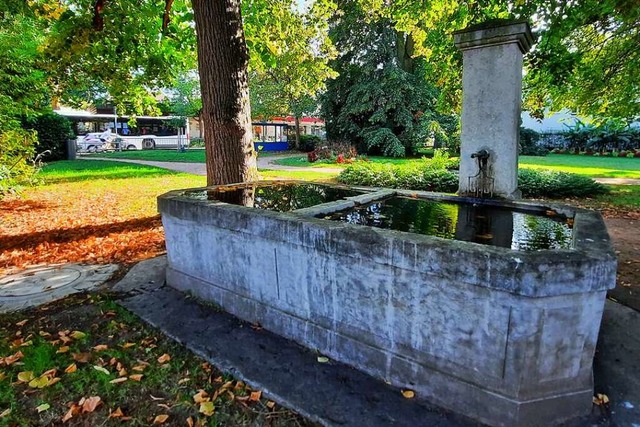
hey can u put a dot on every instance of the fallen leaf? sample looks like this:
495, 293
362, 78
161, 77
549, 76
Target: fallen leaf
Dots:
81, 357
78, 335
409, 394
90, 404
101, 369
63, 349
101, 347
43, 407
128, 344
164, 358
53, 381
122, 372
160, 419
118, 380
139, 368
255, 395
40, 382
10, 360
271, 404
136, 377
25, 376
22, 323
44, 334
116, 414
5, 412
207, 408
201, 396
70, 413
190, 422
71, 368
323, 359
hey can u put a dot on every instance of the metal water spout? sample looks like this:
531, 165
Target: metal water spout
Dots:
481, 184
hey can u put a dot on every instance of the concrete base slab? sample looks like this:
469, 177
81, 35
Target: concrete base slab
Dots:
43, 284
144, 276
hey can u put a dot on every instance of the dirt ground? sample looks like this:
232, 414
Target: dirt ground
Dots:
625, 234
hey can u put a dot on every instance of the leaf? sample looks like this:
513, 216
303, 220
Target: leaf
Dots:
78, 335
117, 413
90, 404
201, 396
101, 369
25, 376
22, 323
160, 419
271, 404
128, 345
63, 349
164, 358
255, 395
71, 369
207, 408
43, 407
10, 360
70, 413
101, 347
40, 382
5, 412
408, 394
323, 359
190, 422
136, 377
118, 380
81, 357
139, 368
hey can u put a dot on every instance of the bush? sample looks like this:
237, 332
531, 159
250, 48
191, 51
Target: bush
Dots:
529, 140
53, 132
341, 152
535, 183
16, 153
309, 143
422, 177
430, 177
196, 143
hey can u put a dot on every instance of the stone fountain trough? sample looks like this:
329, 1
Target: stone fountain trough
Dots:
502, 335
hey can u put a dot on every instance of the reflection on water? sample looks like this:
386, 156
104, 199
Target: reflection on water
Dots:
483, 224
274, 196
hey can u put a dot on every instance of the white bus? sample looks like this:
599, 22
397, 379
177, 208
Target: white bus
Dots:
127, 132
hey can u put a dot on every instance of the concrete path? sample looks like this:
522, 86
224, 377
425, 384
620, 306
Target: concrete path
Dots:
192, 168
334, 394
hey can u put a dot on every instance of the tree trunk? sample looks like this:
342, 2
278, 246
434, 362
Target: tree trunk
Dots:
224, 82
297, 121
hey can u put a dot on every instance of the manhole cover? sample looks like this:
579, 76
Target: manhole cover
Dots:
40, 285
38, 281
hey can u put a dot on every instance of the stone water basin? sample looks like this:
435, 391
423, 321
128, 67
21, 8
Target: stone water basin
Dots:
490, 315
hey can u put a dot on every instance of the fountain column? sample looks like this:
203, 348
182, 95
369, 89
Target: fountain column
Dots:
492, 56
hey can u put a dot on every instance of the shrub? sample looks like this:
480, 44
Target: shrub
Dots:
529, 140
341, 152
420, 177
16, 167
196, 143
53, 132
554, 184
309, 143
426, 177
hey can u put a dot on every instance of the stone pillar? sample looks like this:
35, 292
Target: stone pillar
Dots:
491, 102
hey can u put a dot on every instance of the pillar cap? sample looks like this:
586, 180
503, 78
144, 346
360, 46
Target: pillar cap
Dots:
496, 32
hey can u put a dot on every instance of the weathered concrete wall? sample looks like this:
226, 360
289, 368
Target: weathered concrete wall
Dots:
502, 336
491, 102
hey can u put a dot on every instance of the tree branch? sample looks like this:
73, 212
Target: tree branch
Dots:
98, 19
165, 18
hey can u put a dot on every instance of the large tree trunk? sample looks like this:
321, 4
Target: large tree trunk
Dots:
224, 82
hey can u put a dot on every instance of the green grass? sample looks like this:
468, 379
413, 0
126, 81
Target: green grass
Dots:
299, 175
621, 196
189, 156
81, 170
595, 167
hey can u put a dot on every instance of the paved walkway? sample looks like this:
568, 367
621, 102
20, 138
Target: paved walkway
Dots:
268, 162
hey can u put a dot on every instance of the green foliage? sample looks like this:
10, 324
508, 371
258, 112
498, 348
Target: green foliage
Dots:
16, 153
53, 131
309, 143
601, 136
423, 176
380, 100
431, 176
529, 143
555, 184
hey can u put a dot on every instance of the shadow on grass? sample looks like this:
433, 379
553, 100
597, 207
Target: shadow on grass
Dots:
66, 235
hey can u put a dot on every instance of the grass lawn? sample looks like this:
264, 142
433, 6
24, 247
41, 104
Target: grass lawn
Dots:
596, 167
189, 156
301, 161
88, 347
